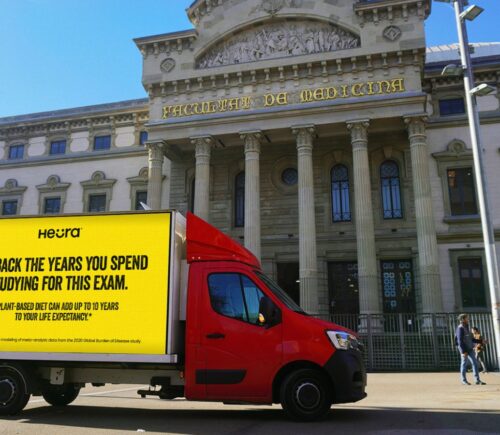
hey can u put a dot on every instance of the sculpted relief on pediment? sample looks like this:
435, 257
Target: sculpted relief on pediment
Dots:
281, 39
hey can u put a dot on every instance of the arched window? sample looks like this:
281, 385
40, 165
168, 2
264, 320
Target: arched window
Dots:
341, 209
239, 200
391, 191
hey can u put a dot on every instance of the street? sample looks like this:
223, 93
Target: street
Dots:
397, 403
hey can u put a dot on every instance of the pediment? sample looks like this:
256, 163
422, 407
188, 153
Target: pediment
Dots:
277, 39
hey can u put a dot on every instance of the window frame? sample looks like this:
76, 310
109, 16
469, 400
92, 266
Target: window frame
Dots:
57, 142
100, 148
455, 213
16, 147
456, 155
6, 201
450, 110
391, 187
96, 195
343, 190
50, 198
143, 137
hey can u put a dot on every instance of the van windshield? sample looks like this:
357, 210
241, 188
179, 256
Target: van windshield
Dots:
280, 293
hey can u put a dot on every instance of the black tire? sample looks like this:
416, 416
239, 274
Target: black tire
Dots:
13, 390
60, 395
306, 395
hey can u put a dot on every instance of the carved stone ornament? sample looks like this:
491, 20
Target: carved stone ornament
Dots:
273, 6
392, 33
280, 39
167, 65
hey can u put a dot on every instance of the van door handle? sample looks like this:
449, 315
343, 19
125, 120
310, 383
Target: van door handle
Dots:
216, 336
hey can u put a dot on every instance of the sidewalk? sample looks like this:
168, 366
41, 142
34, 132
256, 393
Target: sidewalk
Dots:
432, 391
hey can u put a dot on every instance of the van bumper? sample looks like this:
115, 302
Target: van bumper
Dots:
348, 374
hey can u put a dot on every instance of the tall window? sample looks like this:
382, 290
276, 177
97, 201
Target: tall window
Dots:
140, 196
102, 143
16, 152
462, 193
52, 205
9, 208
472, 282
451, 106
341, 209
239, 200
143, 137
97, 203
391, 191
58, 147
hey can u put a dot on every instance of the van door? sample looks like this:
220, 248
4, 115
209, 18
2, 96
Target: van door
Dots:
242, 356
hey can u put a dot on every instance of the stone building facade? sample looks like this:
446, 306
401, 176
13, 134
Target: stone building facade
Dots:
318, 133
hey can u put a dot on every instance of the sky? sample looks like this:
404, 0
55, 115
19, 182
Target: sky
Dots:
58, 54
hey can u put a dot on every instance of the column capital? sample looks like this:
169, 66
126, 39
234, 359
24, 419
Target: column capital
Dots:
203, 145
416, 124
305, 134
359, 131
252, 139
155, 145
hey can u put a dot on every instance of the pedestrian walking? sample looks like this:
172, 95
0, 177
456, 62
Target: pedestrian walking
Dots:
465, 343
479, 348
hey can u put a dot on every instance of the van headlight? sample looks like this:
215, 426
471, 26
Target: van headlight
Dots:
343, 340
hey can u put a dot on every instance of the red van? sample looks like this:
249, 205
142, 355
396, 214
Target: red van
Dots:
230, 333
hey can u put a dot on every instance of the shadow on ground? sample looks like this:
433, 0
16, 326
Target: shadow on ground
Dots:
249, 420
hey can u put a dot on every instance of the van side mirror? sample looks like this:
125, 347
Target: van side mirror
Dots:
269, 314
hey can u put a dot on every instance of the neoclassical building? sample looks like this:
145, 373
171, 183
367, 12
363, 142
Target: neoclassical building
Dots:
320, 134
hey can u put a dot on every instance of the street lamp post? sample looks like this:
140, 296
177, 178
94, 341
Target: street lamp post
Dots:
471, 92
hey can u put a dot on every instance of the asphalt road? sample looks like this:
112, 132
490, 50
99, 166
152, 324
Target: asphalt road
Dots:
396, 404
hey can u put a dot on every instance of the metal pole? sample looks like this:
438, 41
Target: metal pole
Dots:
480, 175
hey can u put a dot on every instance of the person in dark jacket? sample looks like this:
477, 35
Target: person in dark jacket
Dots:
465, 343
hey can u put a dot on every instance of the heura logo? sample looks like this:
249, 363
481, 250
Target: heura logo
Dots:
60, 233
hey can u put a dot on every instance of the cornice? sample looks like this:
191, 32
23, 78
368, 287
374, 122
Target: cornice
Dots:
389, 10
73, 158
11, 128
167, 43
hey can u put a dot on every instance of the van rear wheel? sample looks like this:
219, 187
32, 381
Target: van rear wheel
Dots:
13, 390
60, 395
306, 395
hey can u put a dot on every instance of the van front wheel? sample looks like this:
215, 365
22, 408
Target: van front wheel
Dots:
13, 390
306, 395
60, 395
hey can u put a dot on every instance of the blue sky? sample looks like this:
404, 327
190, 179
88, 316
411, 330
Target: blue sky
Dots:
57, 54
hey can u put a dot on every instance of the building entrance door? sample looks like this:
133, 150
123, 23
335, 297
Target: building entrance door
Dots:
343, 287
288, 280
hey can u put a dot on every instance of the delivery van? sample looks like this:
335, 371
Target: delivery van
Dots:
158, 299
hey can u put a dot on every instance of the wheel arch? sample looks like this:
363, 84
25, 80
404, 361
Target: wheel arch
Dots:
292, 367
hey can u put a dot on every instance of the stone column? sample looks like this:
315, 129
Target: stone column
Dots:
155, 173
369, 300
308, 269
203, 147
426, 231
252, 190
